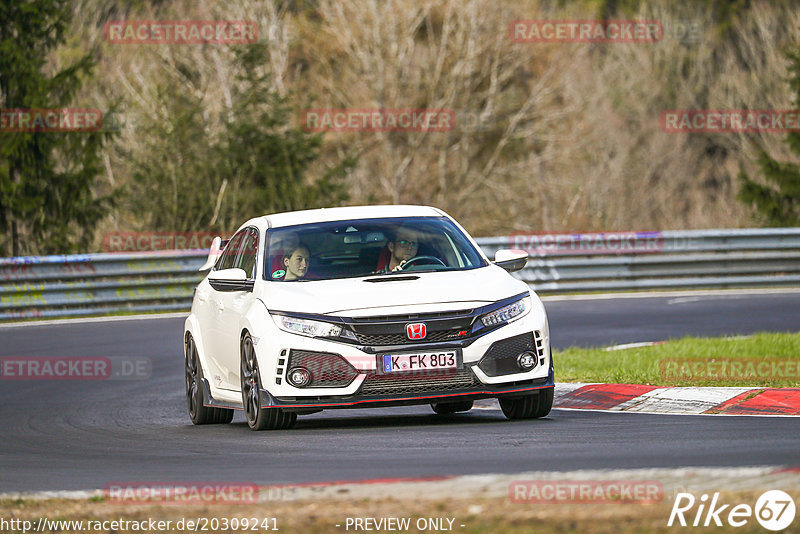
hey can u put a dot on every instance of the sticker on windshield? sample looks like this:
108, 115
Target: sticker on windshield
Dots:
278, 274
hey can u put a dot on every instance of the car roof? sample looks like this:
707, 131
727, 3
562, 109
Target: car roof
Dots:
291, 218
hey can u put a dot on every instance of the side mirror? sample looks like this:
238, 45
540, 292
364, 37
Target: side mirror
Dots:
230, 280
213, 254
511, 260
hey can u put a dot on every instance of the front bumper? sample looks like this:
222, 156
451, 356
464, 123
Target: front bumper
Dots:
482, 391
349, 372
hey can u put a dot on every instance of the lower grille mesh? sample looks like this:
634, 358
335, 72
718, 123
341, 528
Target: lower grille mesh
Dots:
413, 383
327, 370
401, 339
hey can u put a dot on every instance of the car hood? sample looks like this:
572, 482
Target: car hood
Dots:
436, 291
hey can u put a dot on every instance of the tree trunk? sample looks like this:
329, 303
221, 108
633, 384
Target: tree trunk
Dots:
14, 239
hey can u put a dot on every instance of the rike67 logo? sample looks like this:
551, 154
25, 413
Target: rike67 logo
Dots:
774, 510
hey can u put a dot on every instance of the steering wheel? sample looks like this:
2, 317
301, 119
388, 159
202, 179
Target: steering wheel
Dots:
417, 258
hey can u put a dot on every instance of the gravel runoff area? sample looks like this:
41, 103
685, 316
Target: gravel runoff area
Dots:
619, 501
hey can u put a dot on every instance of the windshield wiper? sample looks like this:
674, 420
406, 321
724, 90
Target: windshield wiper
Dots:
391, 278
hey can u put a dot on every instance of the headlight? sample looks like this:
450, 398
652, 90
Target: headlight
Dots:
311, 328
507, 313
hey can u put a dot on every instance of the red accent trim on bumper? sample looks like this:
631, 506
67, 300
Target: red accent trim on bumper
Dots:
403, 399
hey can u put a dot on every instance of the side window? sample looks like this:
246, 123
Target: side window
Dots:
249, 251
228, 259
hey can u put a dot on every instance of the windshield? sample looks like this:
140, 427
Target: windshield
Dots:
364, 247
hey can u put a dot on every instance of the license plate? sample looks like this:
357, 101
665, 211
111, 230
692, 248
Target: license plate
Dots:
419, 361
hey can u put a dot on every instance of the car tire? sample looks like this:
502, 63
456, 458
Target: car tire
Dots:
199, 413
258, 418
528, 407
446, 408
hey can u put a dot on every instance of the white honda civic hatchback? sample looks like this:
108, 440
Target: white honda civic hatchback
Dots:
362, 307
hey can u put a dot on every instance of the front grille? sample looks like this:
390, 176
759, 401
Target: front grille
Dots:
416, 382
501, 358
391, 329
327, 370
402, 339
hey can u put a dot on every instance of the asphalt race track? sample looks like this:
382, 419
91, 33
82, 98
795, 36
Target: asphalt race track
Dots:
71, 435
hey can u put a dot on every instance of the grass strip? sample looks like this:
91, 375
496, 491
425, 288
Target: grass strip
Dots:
761, 360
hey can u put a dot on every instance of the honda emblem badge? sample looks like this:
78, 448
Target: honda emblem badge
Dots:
416, 331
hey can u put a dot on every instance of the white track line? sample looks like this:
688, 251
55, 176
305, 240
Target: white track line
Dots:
678, 293
80, 320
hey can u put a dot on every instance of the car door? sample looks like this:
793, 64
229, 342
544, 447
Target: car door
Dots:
215, 305
233, 305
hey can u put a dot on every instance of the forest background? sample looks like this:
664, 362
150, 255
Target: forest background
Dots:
554, 137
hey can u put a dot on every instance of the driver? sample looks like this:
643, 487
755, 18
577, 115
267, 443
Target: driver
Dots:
402, 248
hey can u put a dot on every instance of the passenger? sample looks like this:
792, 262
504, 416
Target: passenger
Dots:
402, 248
295, 260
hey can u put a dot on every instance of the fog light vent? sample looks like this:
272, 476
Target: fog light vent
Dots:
503, 357
526, 360
299, 377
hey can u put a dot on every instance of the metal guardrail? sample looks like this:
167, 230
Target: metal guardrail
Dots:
110, 283
92, 284
664, 260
